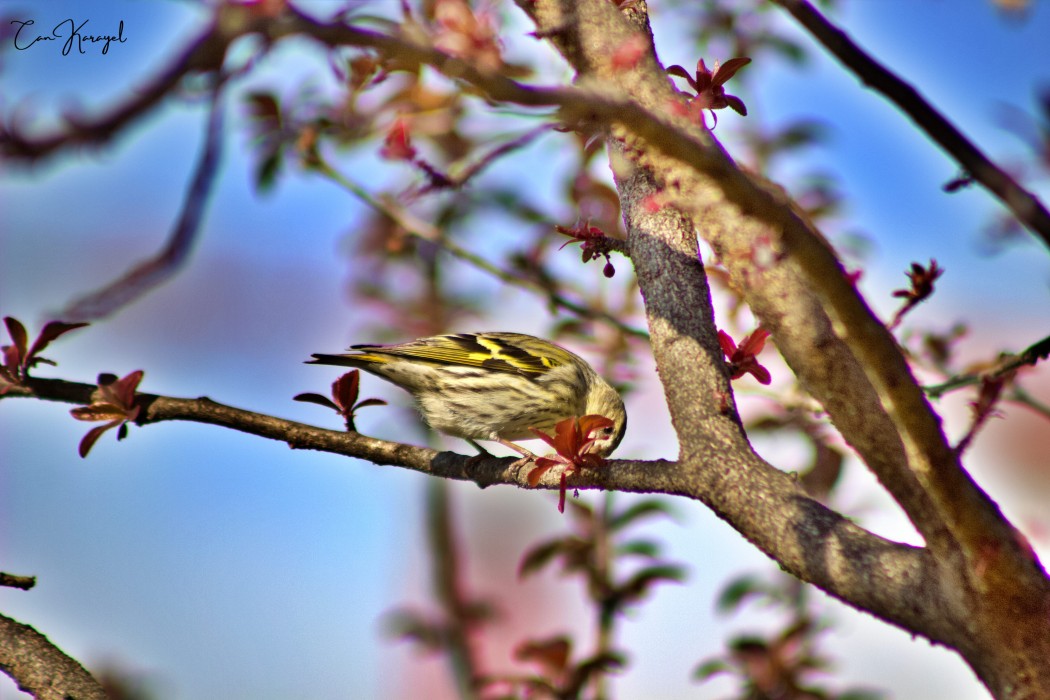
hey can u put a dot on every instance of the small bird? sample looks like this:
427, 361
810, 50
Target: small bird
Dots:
493, 386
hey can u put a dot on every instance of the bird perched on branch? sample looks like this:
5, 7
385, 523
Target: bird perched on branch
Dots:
493, 386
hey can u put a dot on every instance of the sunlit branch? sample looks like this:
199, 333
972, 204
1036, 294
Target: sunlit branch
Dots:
17, 581
41, 668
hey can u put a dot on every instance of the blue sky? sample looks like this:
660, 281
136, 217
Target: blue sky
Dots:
222, 565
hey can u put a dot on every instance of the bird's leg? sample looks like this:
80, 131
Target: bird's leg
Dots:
526, 455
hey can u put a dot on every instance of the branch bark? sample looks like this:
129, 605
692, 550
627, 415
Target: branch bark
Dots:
40, 668
988, 577
976, 587
893, 581
1024, 205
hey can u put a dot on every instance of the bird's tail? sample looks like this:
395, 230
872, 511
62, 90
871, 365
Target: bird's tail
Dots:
361, 361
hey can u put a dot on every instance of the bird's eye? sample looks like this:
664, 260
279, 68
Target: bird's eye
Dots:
607, 431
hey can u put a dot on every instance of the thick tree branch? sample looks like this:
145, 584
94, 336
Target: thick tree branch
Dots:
734, 211
1021, 203
684, 151
987, 572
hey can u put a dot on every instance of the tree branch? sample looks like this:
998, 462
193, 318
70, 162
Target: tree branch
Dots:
42, 669
789, 275
422, 230
204, 54
1021, 203
813, 542
156, 270
17, 581
740, 216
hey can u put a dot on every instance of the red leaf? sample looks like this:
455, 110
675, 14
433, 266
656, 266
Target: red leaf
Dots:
51, 331
680, 72
18, 335
553, 653
761, 374
592, 422
317, 399
754, 343
127, 387
398, 144
743, 359
369, 402
728, 69
92, 437
545, 437
728, 346
120, 392
346, 388
12, 360
736, 104
543, 465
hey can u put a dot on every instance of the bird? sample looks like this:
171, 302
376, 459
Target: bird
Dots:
493, 386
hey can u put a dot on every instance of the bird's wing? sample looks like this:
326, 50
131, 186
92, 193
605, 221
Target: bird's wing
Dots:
499, 352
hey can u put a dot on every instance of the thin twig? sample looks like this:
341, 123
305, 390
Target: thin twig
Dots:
1022, 398
156, 270
425, 231
1022, 203
16, 581
459, 180
1031, 355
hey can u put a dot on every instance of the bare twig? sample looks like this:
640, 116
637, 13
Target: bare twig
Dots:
460, 179
447, 567
1031, 355
1022, 203
425, 231
203, 54
1021, 397
156, 270
16, 581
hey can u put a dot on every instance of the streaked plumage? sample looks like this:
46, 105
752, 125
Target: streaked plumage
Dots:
493, 386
